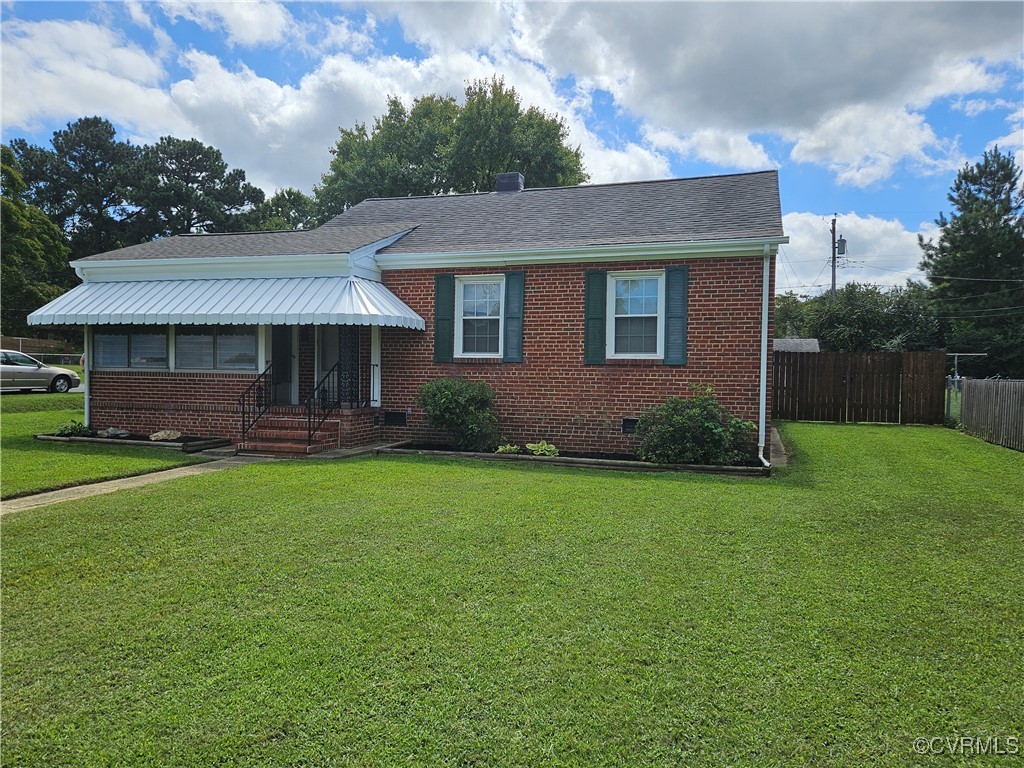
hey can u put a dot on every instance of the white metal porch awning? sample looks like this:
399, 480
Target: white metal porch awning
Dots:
242, 301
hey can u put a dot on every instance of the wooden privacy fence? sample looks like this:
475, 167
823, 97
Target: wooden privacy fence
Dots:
993, 409
893, 387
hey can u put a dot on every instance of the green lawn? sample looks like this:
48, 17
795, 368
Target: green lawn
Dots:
410, 611
28, 465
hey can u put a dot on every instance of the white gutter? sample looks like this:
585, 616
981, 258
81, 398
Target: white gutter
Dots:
763, 402
580, 254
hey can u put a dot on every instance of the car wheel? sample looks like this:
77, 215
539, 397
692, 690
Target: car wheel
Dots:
60, 384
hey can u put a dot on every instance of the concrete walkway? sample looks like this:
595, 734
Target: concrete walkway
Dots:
779, 456
109, 486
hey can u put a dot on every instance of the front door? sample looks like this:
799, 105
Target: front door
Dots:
282, 355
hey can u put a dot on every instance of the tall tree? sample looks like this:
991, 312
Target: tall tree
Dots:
863, 318
285, 209
976, 268
494, 135
182, 185
439, 147
77, 183
34, 268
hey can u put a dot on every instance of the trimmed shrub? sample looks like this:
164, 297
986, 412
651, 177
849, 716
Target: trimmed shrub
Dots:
462, 409
697, 430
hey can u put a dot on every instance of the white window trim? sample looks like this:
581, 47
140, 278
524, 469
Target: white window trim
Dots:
461, 281
610, 314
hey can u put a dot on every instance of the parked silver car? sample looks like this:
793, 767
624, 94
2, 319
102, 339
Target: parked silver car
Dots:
19, 371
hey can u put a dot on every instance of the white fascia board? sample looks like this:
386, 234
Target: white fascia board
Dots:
213, 267
362, 261
583, 254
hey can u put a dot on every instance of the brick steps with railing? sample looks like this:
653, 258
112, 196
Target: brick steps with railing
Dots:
283, 431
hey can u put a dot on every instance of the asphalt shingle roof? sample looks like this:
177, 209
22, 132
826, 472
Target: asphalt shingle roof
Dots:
284, 243
796, 345
674, 210
708, 208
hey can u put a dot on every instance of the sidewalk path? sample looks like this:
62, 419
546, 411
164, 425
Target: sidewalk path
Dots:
109, 486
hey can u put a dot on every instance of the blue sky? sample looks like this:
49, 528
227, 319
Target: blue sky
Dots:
867, 109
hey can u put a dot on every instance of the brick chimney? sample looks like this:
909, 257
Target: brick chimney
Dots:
509, 182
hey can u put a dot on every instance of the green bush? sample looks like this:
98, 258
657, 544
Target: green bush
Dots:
74, 428
697, 430
508, 448
543, 448
463, 409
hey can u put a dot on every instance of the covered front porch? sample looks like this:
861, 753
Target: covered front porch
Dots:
280, 365
320, 390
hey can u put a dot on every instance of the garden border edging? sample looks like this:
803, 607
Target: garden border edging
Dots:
619, 464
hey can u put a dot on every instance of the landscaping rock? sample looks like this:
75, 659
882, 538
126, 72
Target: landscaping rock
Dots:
165, 434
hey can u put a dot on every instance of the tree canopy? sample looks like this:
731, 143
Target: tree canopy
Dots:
439, 146
105, 194
79, 184
34, 269
976, 268
182, 185
862, 318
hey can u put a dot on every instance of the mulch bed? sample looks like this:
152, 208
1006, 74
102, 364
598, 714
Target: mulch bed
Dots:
625, 462
185, 444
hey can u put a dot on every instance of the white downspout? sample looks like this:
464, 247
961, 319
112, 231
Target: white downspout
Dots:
763, 403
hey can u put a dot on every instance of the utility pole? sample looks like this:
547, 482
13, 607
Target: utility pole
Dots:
838, 247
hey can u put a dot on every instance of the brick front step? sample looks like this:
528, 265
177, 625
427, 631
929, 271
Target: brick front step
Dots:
282, 431
286, 447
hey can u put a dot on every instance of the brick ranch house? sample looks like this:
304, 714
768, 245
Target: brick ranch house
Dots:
580, 306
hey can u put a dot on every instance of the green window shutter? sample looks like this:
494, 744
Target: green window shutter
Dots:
444, 318
514, 289
595, 308
677, 281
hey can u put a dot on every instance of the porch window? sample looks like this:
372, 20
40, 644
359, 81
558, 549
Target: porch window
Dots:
478, 311
206, 347
193, 346
130, 347
236, 348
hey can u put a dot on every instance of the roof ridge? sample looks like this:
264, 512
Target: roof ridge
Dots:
635, 182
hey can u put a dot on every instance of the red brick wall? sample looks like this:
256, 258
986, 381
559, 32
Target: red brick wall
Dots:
143, 402
552, 395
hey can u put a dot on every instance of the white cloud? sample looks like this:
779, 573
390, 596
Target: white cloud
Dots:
250, 23
863, 145
879, 251
1014, 140
138, 14
66, 70
723, 148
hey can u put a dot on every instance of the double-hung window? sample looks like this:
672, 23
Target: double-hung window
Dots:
478, 316
636, 315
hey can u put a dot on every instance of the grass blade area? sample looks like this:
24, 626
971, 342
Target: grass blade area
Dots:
29, 466
409, 611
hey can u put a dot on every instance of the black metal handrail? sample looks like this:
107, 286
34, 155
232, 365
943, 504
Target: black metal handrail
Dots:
256, 399
325, 399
